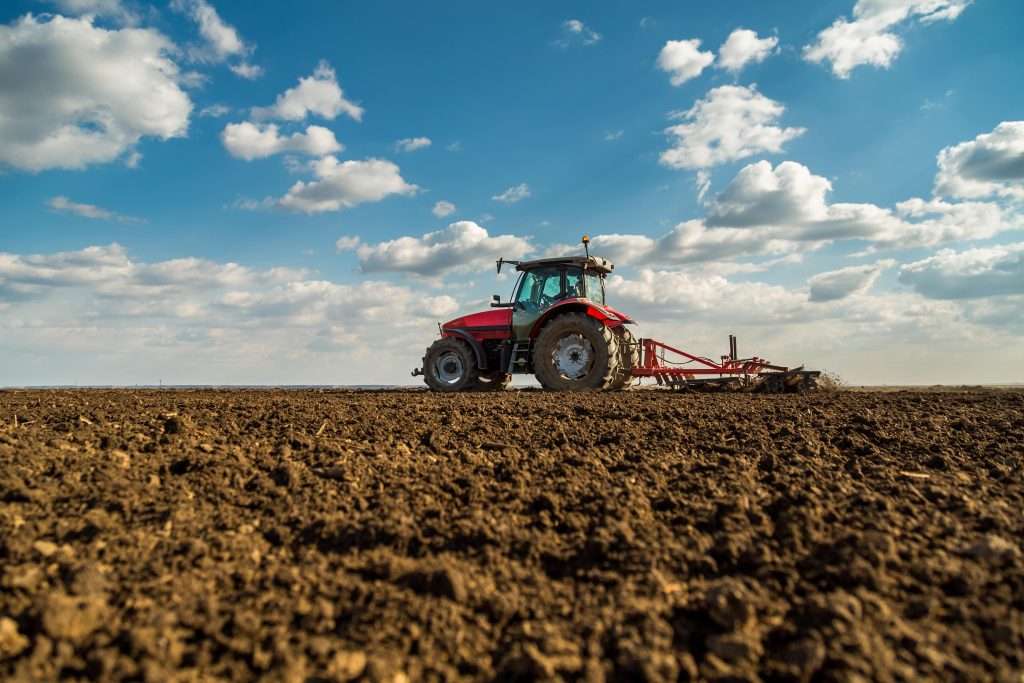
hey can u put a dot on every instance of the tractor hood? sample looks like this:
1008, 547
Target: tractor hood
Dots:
495, 317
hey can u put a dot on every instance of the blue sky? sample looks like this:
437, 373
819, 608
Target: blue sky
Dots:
220, 257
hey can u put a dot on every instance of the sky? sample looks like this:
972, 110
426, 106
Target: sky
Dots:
214, 192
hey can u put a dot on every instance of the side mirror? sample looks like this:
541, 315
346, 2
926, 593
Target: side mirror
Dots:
495, 301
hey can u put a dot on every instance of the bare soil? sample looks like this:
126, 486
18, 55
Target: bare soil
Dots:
389, 536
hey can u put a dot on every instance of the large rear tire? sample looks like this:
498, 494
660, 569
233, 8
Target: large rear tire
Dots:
575, 352
629, 358
450, 366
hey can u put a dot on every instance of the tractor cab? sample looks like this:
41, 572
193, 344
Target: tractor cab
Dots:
547, 283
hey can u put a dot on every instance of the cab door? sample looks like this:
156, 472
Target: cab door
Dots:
538, 290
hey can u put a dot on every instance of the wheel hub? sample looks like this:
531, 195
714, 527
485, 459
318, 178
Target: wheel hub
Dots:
448, 368
573, 356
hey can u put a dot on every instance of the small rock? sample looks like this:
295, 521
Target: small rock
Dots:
73, 618
347, 665
12, 643
45, 548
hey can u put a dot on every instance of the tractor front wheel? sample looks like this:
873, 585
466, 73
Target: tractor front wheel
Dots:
575, 352
450, 366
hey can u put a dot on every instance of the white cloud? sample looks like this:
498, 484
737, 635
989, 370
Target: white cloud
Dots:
317, 94
613, 135
575, 31
215, 111
412, 144
255, 141
59, 108
683, 60
871, 37
454, 147
990, 165
784, 210
513, 194
969, 274
114, 9
109, 318
443, 208
347, 243
62, 204
743, 47
839, 284
730, 123
220, 39
249, 72
463, 245
343, 184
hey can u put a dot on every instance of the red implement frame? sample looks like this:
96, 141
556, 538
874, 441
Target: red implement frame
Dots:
697, 368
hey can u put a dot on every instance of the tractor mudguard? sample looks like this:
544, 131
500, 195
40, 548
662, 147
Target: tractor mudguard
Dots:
606, 315
478, 349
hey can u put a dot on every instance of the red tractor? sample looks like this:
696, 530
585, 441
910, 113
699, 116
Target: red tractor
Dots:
559, 328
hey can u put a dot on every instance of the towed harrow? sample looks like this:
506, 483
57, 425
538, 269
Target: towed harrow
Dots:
559, 328
731, 373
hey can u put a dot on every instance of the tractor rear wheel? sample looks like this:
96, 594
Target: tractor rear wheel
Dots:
575, 352
450, 366
629, 358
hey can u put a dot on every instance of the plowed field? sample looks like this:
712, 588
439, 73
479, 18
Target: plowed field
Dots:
393, 536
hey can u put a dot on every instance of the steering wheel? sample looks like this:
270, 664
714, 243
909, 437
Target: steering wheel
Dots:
544, 301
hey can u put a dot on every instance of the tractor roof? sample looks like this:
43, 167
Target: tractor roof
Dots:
595, 263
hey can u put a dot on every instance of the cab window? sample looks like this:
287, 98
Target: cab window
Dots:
595, 288
539, 288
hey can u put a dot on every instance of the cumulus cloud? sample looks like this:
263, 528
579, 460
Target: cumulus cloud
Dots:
839, 284
317, 94
59, 108
255, 141
101, 310
968, 274
443, 208
990, 165
743, 47
62, 204
113, 9
731, 122
341, 185
684, 60
463, 245
412, 144
513, 194
871, 37
575, 31
782, 210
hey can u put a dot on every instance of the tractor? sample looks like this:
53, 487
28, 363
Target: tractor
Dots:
558, 327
